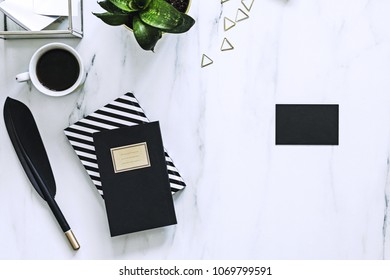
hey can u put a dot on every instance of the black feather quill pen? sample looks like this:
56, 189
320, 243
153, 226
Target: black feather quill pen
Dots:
25, 137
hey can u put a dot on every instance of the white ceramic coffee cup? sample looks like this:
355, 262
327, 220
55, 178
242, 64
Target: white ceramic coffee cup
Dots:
32, 75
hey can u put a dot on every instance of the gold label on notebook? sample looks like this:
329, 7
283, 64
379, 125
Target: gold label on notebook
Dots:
130, 157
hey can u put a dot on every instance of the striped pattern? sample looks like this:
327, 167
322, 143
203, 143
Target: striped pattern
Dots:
124, 111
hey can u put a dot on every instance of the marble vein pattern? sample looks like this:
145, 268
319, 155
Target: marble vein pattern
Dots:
246, 198
386, 220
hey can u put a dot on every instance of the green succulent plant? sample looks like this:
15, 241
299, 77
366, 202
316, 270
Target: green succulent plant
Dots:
149, 19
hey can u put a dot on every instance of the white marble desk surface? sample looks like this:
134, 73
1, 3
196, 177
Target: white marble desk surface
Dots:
246, 198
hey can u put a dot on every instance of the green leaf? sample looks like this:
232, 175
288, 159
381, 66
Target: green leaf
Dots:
113, 19
187, 23
146, 35
130, 5
111, 8
161, 14
125, 5
142, 3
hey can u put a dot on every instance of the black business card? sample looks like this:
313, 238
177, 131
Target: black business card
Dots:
307, 124
134, 178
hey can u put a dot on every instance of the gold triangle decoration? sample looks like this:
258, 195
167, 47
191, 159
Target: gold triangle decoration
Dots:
226, 45
241, 15
206, 61
247, 4
228, 24
223, 1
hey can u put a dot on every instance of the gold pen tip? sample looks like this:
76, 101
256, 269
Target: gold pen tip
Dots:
72, 240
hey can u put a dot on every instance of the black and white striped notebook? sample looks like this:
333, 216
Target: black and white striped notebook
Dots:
124, 111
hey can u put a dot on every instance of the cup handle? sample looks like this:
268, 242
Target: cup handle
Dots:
22, 77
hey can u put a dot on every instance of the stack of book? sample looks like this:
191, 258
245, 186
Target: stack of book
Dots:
123, 154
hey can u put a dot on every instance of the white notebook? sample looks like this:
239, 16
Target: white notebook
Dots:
22, 12
55, 7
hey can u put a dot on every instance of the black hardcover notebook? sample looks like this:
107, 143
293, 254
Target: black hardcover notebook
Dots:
134, 178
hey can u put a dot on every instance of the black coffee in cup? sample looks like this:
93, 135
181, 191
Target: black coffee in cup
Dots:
57, 69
